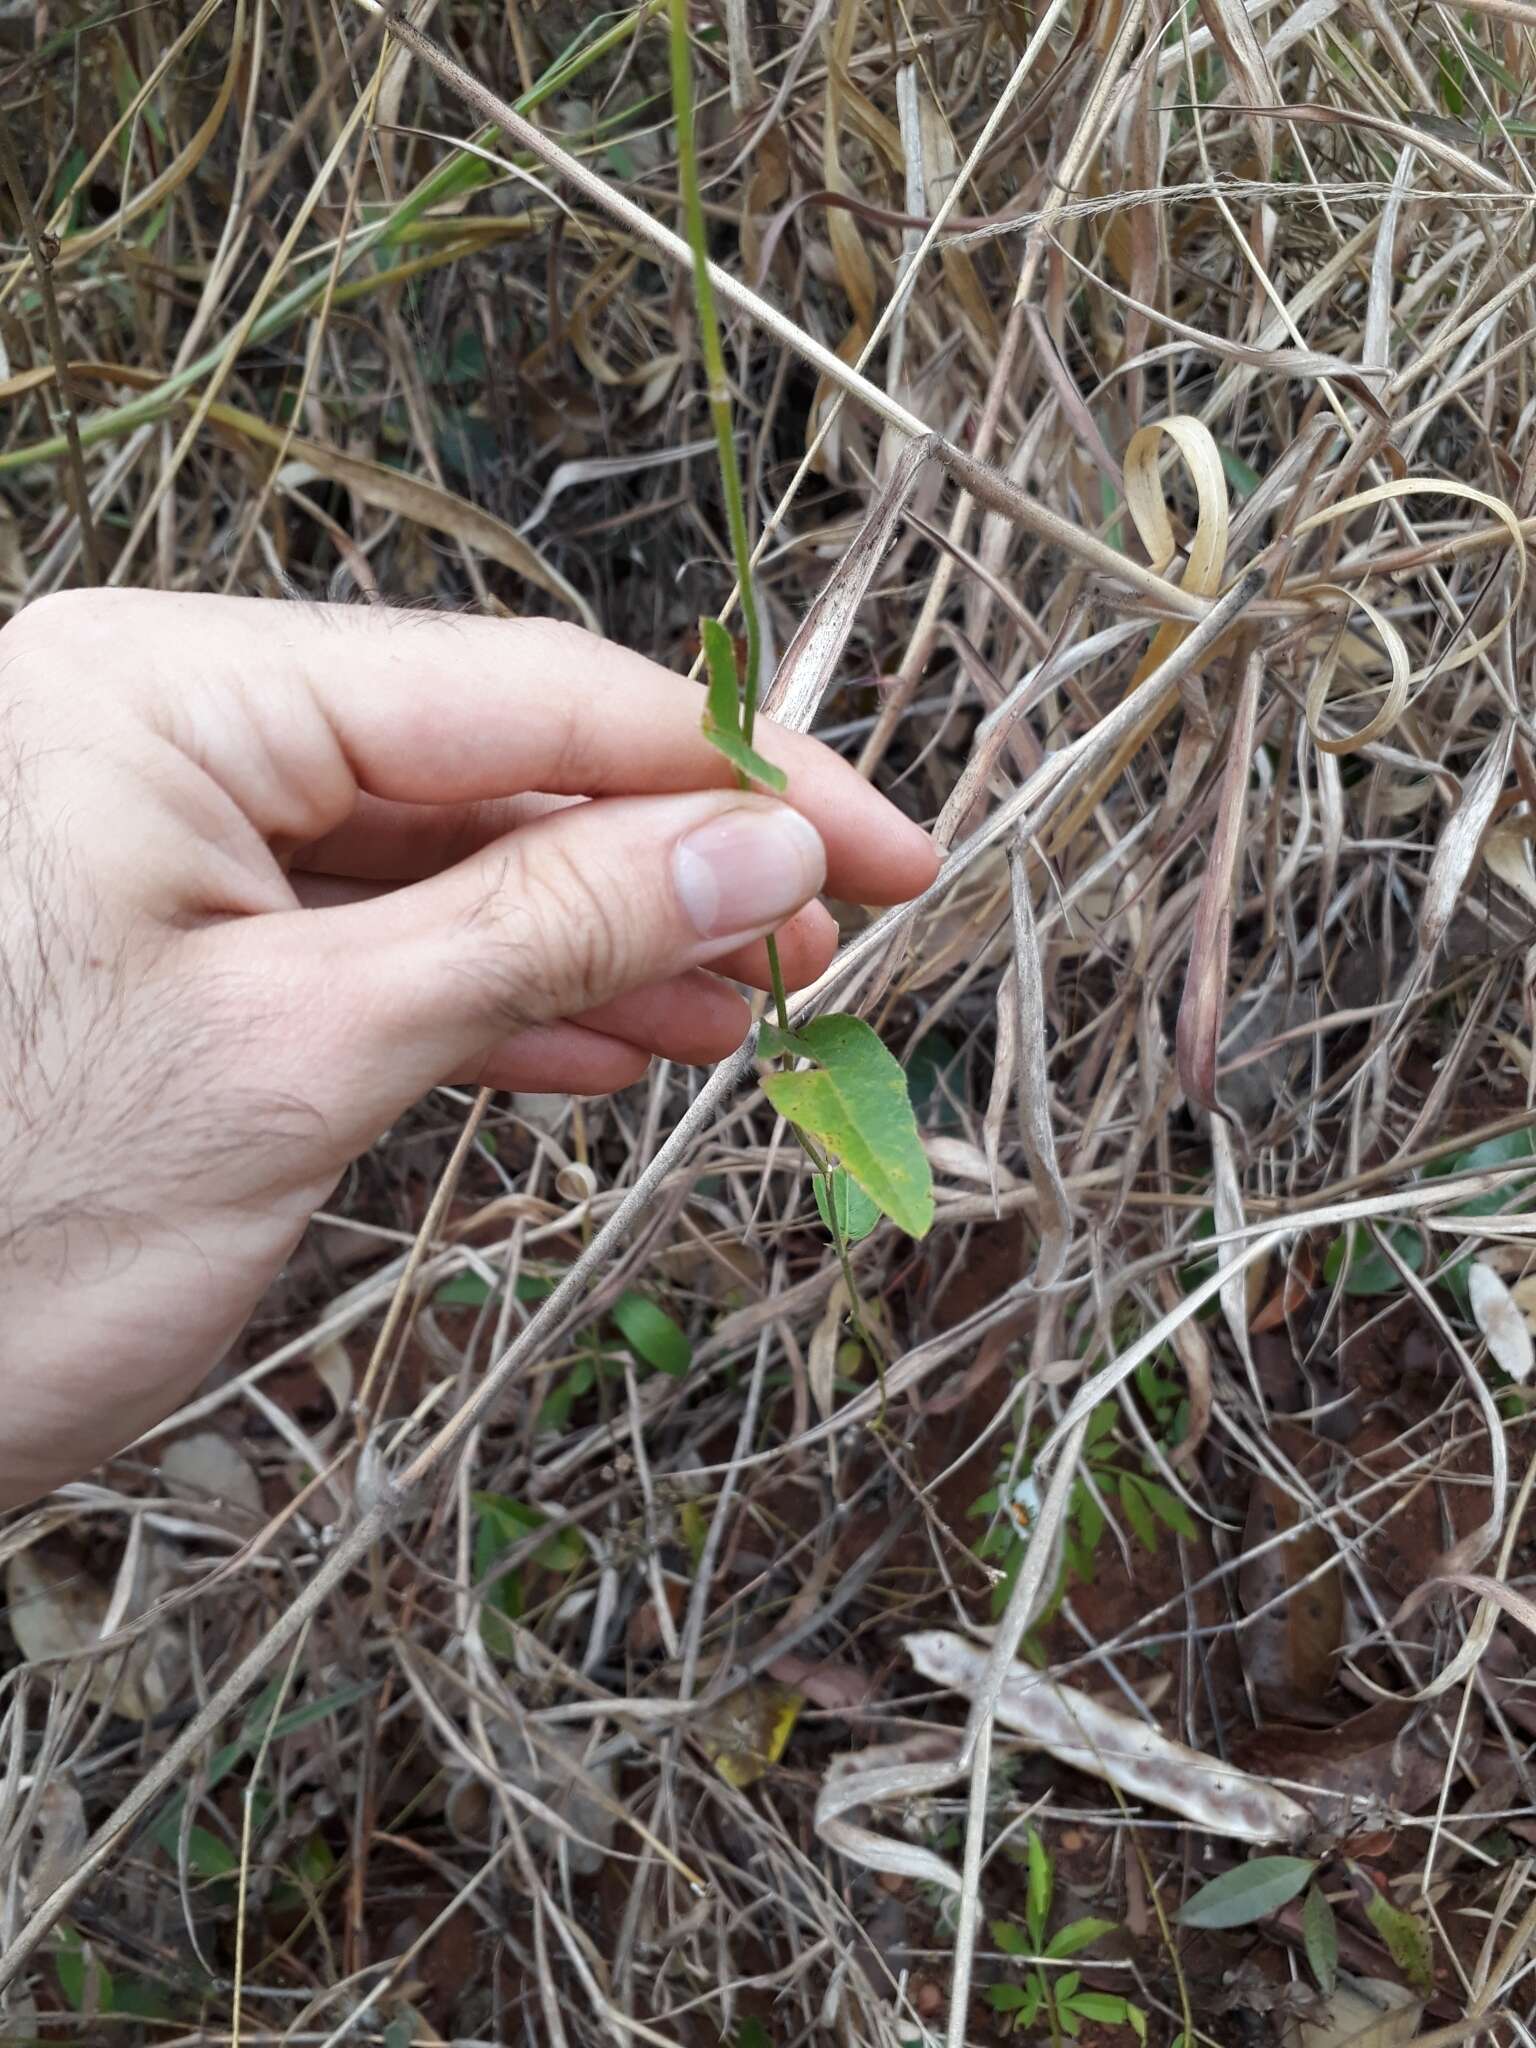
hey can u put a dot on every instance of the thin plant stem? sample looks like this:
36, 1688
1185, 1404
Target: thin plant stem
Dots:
53, 330
991, 487
713, 352
719, 390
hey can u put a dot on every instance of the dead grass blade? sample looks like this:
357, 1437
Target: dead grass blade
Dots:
1203, 1004
1036, 1132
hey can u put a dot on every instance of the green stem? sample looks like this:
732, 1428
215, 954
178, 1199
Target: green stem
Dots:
861, 1329
711, 349
713, 353
718, 385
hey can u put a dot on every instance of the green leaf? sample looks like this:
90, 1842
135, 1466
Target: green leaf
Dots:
1239, 1897
166, 1829
856, 1214
695, 1527
1006, 1997
1101, 1423
747, 759
142, 2001
1137, 1513
1077, 1935
1010, 1937
928, 1066
82, 1974
724, 695
722, 716
472, 1290
774, 1044
1136, 2020
1042, 1883
501, 1522
1369, 1270
1506, 1150
208, 1857
463, 1290
855, 1102
315, 1861
1321, 1933
508, 1521
1407, 1940
1089, 1517
652, 1335
1105, 2006
1244, 481
753, 2034
1168, 1508
1451, 80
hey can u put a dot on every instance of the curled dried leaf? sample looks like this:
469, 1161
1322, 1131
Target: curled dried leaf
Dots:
1393, 702
1448, 487
875, 1777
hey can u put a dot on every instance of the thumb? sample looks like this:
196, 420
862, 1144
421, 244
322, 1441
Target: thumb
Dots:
565, 913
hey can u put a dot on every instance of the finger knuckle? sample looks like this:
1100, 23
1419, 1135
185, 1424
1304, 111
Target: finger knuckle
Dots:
547, 940
69, 637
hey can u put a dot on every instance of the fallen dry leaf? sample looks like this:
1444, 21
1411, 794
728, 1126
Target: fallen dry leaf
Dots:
1497, 1314
207, 1467
1363, 2012
55, 1612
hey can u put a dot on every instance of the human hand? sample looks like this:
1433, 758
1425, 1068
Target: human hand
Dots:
270, 872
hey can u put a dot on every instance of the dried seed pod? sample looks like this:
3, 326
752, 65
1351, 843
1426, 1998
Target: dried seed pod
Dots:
1139, 1758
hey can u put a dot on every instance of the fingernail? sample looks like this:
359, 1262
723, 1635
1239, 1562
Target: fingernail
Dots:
748, 869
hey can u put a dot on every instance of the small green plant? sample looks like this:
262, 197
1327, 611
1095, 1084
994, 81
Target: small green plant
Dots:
501, 1525
1045, 1993
1357, 1258
1110, 1472
850, 1106
653, 1337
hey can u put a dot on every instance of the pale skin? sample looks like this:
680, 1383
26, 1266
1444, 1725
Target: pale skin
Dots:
271, 872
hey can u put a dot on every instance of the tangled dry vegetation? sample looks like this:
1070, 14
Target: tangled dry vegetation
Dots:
662, 1709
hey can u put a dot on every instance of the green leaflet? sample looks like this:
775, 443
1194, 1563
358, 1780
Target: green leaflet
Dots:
855, 1102
1321, 1933
1407, 1940
652, 1335
1368, 1270
1366, 1267
1080, 1934
856, 1214
1041, 1887
722, 714
1239, 1897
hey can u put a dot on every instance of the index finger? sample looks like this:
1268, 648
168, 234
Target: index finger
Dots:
428, 708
